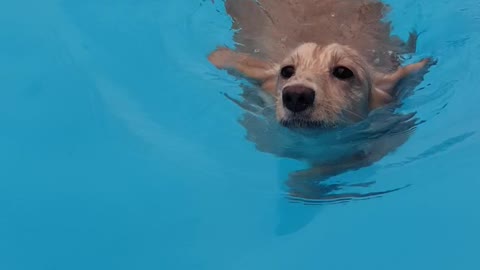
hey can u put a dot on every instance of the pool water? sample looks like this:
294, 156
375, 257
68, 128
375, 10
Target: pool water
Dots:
120, 150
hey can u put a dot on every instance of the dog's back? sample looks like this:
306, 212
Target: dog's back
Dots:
271, 28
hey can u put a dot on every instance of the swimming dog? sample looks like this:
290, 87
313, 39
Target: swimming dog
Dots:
324, 63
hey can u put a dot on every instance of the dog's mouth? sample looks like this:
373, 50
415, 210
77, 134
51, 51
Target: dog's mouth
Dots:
303, 123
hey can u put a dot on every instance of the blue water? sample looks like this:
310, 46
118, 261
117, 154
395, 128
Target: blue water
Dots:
119, 149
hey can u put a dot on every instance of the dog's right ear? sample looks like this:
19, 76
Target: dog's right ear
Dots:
248, 66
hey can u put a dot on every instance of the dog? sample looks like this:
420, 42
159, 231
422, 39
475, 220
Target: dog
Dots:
324, 65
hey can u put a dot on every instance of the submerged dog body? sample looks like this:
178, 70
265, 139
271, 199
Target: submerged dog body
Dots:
271, 29
326, 63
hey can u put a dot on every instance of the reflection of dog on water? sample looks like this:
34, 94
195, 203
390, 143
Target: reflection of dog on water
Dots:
331, 76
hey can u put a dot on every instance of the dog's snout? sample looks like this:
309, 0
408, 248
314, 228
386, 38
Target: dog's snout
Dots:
298, 98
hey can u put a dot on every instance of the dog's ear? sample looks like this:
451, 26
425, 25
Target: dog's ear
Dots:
384, 85
263, 72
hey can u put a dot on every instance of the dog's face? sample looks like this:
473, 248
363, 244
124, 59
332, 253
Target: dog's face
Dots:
322, 87
319, 86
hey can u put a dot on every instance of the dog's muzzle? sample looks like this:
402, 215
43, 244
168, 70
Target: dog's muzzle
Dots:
297, 98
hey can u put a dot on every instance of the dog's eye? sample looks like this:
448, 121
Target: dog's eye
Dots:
287, 72
342, 73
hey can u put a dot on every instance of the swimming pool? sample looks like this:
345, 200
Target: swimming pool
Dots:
120, 150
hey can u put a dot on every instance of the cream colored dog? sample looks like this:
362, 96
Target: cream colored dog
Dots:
342, 64
325, 63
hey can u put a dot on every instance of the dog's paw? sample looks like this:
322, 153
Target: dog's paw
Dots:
423, 66
222, 58
418, 67
429, 62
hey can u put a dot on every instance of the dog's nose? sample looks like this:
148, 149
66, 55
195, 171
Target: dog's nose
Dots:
297, 98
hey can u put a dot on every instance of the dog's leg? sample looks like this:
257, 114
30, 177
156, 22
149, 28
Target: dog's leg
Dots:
388, 82
310, 184
250, 67
385, 85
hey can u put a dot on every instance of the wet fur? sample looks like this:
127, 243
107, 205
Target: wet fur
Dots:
271, 29
314, 36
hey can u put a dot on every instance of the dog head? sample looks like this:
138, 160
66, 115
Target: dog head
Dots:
319, 86
322, 86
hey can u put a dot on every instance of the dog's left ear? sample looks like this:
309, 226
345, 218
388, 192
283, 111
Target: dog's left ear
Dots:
384, 85
264, 72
